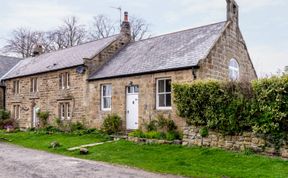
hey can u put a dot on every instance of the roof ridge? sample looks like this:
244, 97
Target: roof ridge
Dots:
70, 47
180, 31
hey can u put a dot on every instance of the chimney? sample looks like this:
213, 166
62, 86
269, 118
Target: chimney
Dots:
37, 50
125, 26
232, 11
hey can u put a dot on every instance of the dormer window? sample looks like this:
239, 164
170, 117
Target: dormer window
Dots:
234, 72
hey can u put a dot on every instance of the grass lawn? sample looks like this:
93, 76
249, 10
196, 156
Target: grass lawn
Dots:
170, 159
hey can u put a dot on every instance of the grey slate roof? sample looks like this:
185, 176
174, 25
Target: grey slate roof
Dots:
60, 59
166, 52
6, 64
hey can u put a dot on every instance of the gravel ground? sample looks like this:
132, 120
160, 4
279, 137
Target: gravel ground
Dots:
18, 162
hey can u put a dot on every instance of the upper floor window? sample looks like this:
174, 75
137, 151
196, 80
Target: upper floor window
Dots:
163, 96
34, 85
16, 111
106, 97
64, 80
234, 72
16, 86
65, 110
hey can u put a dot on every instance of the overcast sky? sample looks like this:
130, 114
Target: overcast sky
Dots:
264, 23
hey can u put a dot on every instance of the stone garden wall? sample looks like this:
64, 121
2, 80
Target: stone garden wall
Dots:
191, 136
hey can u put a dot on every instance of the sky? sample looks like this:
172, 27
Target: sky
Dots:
263, 23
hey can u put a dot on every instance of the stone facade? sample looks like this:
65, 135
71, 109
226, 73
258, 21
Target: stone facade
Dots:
147, 97
1, 97
230, 45
192, 137
48, 97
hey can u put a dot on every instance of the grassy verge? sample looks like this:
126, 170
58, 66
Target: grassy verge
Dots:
171, 159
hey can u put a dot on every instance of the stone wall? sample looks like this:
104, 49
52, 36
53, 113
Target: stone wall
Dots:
1, 98
230, 45
147, 97
191, 136
48, 97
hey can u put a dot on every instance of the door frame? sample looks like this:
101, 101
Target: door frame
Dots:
134, 92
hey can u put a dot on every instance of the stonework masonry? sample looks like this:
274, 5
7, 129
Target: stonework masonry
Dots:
147, 97
247, 140
1, 98
48, 97
230, 45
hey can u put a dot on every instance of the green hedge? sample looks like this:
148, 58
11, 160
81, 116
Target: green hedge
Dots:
232, 108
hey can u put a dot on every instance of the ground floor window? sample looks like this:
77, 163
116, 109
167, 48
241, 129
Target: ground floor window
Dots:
106, 97
16, 111
163, 96
65, 110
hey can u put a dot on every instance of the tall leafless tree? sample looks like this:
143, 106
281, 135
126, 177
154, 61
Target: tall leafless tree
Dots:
102, 27
22, 41
139, 28
71, 33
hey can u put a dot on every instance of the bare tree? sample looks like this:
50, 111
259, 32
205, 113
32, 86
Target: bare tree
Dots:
101, 27
139, 28
23, 40
71, 33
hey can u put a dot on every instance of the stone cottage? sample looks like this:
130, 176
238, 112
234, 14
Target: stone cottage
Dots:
131, 79
6, 64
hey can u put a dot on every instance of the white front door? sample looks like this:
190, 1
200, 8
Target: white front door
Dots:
35, 120
132, 107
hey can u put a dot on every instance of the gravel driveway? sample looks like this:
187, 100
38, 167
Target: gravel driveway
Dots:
21, 162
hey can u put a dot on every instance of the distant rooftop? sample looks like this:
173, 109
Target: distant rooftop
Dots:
60, 59
6, 64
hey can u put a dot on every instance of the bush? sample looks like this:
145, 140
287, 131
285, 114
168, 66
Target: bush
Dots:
77, 126
6, 121
223, 106
231, 107
112, 124
137, 133
161, 124
204, 132
43, 118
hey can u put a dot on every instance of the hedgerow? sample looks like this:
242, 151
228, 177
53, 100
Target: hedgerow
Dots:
235, 107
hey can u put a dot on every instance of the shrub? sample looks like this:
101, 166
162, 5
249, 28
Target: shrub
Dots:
77, 126
161, 124
223, 106
137, 133
204, 132
43, 118
153, 135
112, 124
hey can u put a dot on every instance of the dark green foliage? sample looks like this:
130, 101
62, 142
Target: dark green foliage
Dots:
221, 106
43, 117
77, 126
204, 132
112, 124
6, 121
232, 108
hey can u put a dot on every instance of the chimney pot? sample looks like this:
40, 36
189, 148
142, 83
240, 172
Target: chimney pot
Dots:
125, 16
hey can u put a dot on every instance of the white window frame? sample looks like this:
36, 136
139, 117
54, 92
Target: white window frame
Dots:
34, 85
157, 94
68, 111
16, 87
234, 71
65, 80
102, 98
16, 111
62, 111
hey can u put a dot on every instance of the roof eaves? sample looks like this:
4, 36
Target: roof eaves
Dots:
144, 73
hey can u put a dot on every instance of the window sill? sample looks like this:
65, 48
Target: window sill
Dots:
106, 110
164, 108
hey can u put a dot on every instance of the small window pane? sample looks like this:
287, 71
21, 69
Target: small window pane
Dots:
106, 102
161, 87
168, 85
168, 100
161, 100
130, 89
136, 89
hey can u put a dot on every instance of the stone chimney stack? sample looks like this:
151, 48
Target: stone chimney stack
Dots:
125, 26
232, 11
37, 50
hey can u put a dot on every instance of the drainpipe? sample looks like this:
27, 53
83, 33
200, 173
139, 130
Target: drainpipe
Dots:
194, 69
